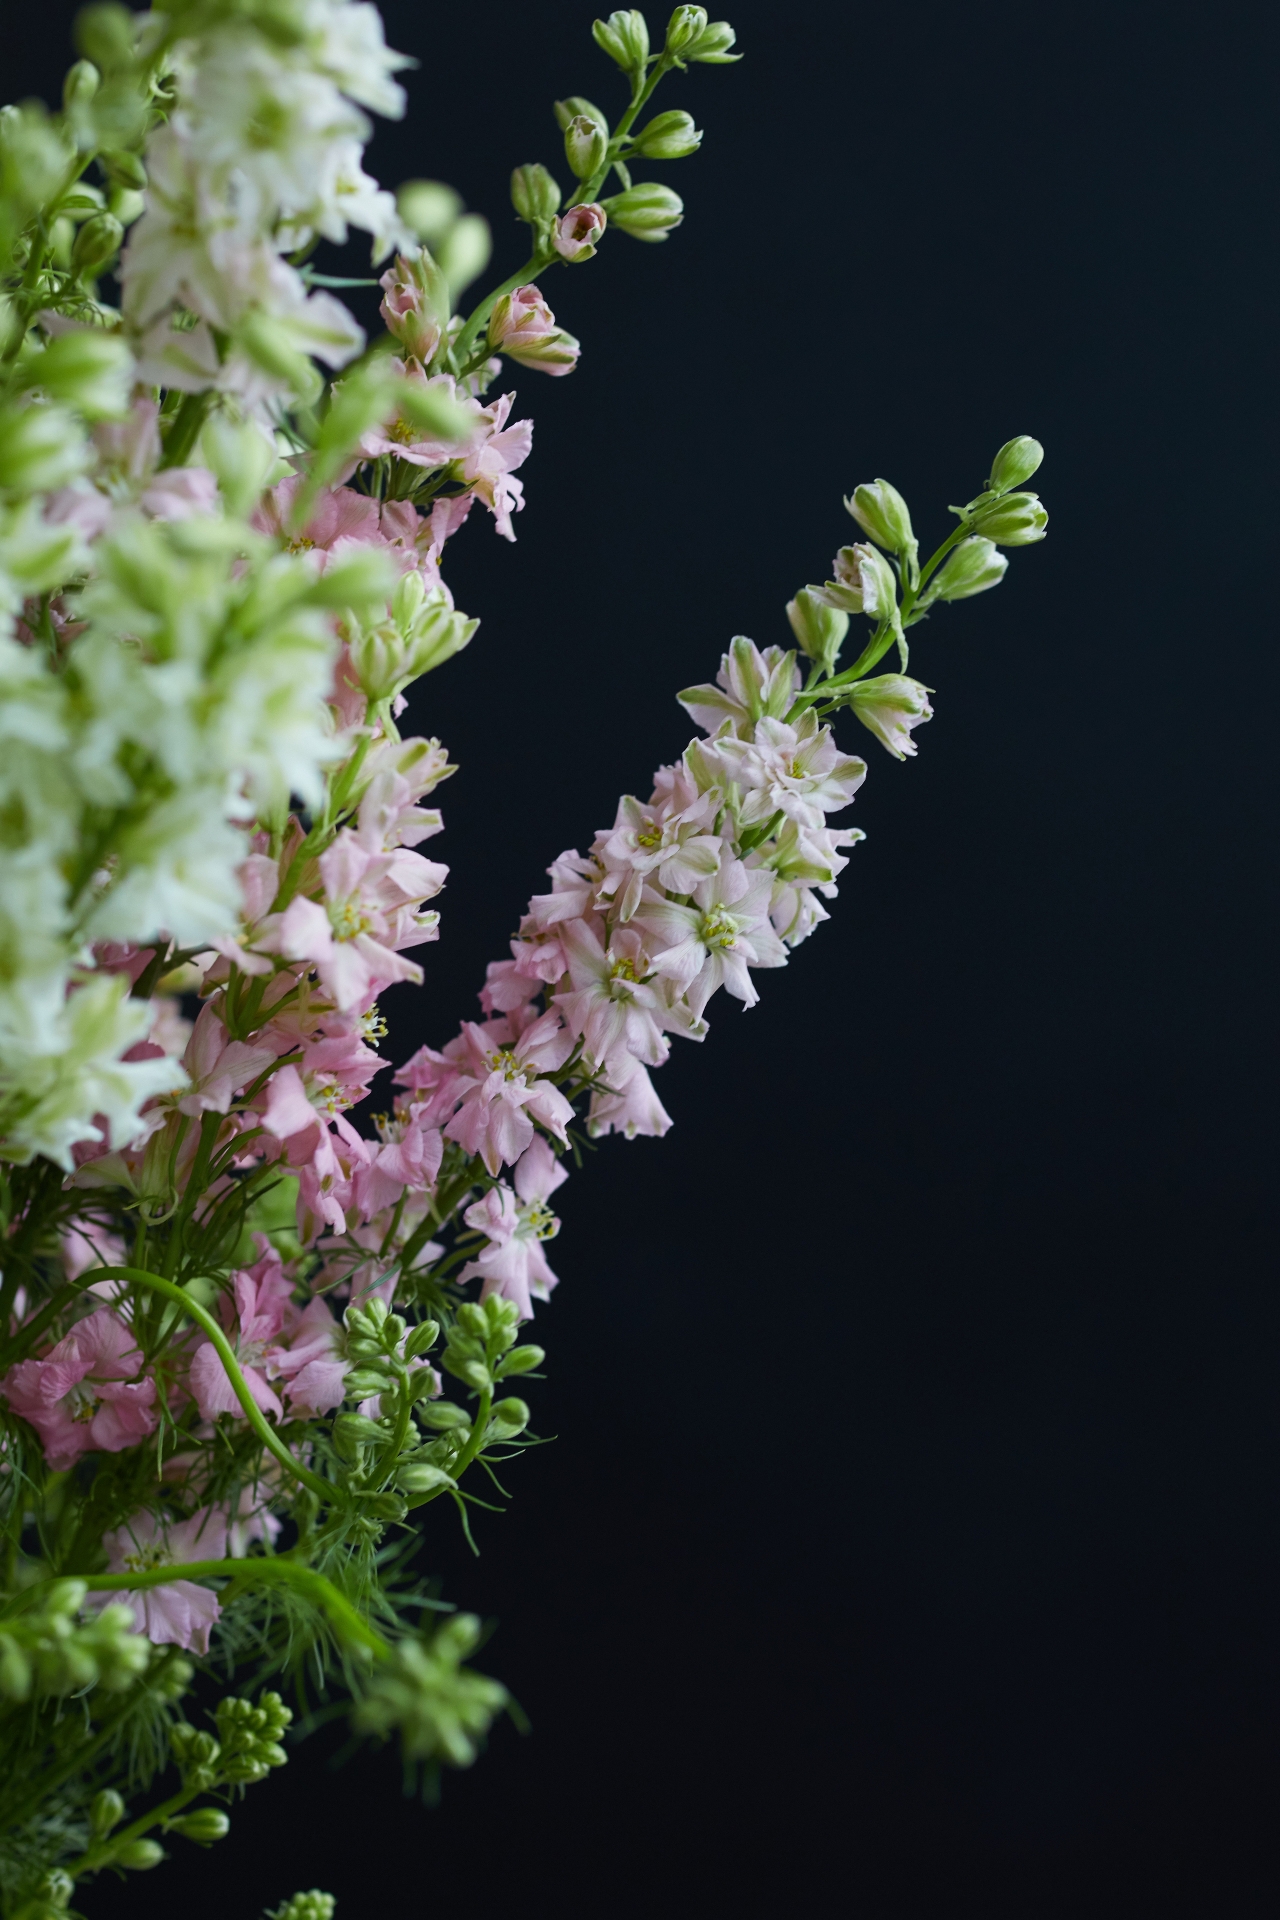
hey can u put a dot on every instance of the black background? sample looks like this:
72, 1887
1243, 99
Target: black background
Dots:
908, 1545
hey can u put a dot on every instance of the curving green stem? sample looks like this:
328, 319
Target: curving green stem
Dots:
279, 1571
222, 1347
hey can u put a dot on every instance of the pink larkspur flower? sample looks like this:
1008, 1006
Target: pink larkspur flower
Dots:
87, 1394
577, 232
516, 1225
504, 1091
340, 520
179, 1613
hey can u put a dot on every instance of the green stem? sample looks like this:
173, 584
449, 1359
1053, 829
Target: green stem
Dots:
222, 1347
102, 1854
187, 422
277, 1570
531, 268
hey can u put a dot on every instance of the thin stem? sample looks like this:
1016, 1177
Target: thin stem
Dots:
275, 1570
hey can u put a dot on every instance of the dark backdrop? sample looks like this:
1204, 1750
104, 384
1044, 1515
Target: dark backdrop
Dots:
908, 1545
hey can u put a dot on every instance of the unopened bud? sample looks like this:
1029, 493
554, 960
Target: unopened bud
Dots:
97, 242
1015, 463
138, 1855
523, 1360
669, 136
820, 629
882, 513
428, 208
647, 211
585, 146
444, 1416
106, 1810
890, 706
204, 1826
534, 194
1016, 520
123, 169
624, 36
974, 566
510, 1417
89, 369
80, 85
240, 457
422, 1339
362, 1383
576, 107
686, 25
107, 34
577, 233
464, 252
415, 304
128, 204
40, 448
417, 1477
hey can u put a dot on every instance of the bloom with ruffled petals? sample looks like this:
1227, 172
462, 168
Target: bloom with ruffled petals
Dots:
180, 1613
516, 1225
87, 1394
504, 1092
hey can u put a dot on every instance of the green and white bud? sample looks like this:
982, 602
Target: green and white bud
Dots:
509, 1417
88, 369
1015, 463
890, 706
576, 107
416, 1476
534, 194
647, 211
882, 513
106, 1810
96, 244
973, 567
624, 36
41, 447
585, 146
422, 1339
241, 458
128, 204
686, 26
669, 136
138, 1856
1016, 520
204, 1826
819, 628
80, 85
463, 254
713, 44
362, 1383
429, 209
122, 168
521, 1360
444, 1416
864, 583
107, 34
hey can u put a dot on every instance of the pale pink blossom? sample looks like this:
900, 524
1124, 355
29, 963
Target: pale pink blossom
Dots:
516, 1225
409, 1157
408, 308
750, 686
612, 1001
340, 520
523, 327
654, 841
794, 770
219, 1068
630, 1106
180, 492
253, 1323
504, 1091
573, 888
180, 1613
87, 1394
715, 941
892, 705
488, 467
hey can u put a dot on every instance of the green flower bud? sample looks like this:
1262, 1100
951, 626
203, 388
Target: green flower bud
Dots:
123, 169
442, 1415
574, 108
712, 46
415, 1476
686, 25
127, 204
1016, 520
80, 85
40, 448
1016, 461
534, 194
624, 36
881, 512
669, 136
819, 629
15, 1669
240, 457
971, 568
307, 1906
521, 1360
585, 146
106, 1810
362, 1383
138, 1855
354, 1430
464, 252
509, 1417
647, 211
204, 1826
422, 1339
429, 209
422, 1383
88, 369
107, 34
97, 243
57, 1887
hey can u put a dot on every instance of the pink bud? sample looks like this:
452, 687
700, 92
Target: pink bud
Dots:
416, 304
576, 233
523, 327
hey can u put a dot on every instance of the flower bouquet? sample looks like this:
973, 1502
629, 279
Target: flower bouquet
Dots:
251, 1329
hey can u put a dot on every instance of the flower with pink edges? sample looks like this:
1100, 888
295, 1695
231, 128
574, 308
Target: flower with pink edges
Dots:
523, 327
87, 1394
340, 520
577, 233
503, 1089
